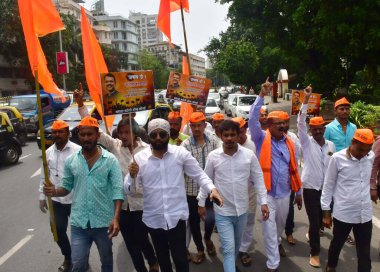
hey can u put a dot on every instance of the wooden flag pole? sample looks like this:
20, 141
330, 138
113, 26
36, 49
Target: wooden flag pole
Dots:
132, 147
44, 161
185, 36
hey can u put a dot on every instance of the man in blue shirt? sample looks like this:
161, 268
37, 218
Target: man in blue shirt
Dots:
94, 176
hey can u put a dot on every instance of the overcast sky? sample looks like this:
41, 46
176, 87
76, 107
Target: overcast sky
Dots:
206, 19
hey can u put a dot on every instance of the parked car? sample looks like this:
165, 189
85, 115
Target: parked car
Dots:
241, 105
52, 106
215, 96
211, 108
10, 147
18, 123
228, 103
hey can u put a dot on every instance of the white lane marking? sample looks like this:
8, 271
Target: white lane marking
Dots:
30, 229
14, 249
376, 221
24, 157
37, 173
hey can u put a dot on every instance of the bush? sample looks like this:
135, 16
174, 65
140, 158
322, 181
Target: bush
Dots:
365, 115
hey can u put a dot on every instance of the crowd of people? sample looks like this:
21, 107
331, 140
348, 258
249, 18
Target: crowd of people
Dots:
157, 194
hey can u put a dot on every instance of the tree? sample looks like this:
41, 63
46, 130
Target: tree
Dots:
217, 77
159, 67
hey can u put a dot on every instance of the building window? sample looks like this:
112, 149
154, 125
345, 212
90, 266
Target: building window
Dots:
115, 24
125, 47
115, 35
123, 25
124, 35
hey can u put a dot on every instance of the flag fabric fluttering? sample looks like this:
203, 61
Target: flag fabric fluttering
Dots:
39, 18
166, 7
94, 64
186, 109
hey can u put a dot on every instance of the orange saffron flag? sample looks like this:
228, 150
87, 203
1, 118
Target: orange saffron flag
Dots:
94, 65
166, 7
186, 108
39, 18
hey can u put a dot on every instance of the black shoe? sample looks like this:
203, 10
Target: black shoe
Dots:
65, 267
281, 250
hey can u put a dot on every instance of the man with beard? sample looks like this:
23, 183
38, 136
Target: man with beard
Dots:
56, 156
232, 167
347, 181
200, 145
159, 171
316, 155
132, 229
340, 132
217, 119
278, 160
94, 176
175, 121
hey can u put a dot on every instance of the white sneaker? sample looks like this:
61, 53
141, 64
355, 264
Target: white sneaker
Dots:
307, 236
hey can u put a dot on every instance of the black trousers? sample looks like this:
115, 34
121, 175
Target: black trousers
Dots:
135, 235
171, 242
312, 200
289, 226
362, 233
195, 221
62, 214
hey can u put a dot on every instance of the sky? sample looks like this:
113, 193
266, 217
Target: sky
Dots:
206, 19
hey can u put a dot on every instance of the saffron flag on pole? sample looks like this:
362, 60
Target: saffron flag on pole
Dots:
39, 18
186, 108
94, 65
166, 7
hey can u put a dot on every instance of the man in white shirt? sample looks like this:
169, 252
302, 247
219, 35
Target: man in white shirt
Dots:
56, 156
317, 154
134, 232
232, 167
160, 170
347, 181
247, 238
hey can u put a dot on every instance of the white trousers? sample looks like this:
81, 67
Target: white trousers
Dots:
273, 228
247, 238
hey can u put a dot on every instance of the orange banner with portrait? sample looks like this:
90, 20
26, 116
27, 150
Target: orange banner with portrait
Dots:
314, 104
189, 89
125, 92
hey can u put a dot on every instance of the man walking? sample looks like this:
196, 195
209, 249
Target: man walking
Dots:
94, 176
56, 156
347, 181
175, 121
317, 154
159, 171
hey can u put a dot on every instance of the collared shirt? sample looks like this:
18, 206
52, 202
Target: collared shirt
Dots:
182, 137
375, 175
187, 129
163, 185
334, 133
316, 157
200, 153
231, 175
124, 156
280, 183
56, 160
347, 182
94, 191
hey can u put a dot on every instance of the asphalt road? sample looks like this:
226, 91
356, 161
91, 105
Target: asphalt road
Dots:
27, 244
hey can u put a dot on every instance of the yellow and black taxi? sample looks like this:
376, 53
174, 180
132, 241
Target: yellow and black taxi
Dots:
18, 123
10, 147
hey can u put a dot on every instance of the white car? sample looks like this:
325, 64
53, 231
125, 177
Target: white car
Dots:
211, 108
228, 105
241, 105
215, 96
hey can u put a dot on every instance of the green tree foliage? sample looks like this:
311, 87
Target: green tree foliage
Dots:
325, 43
160, 69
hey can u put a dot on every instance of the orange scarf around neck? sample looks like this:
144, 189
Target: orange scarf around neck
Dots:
266, 162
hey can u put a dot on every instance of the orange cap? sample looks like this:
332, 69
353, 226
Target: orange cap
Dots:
285, 115
276, 114
316, 121
218, 116
364, 135
240, 121
342, 101
197, 117
59, 124
174, 115
89, 121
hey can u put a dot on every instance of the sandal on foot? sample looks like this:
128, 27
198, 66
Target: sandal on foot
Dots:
245, 259
291, 240
198, 258
211, 251
350, 240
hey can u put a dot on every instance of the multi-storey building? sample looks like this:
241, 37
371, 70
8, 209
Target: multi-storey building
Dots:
197, 65
148, 31
172, 55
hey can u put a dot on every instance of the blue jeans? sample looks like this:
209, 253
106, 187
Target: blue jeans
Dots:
81, 241
230, 229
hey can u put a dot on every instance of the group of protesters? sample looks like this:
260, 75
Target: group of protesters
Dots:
157, 193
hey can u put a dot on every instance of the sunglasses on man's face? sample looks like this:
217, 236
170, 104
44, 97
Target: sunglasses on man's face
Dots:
153, 135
